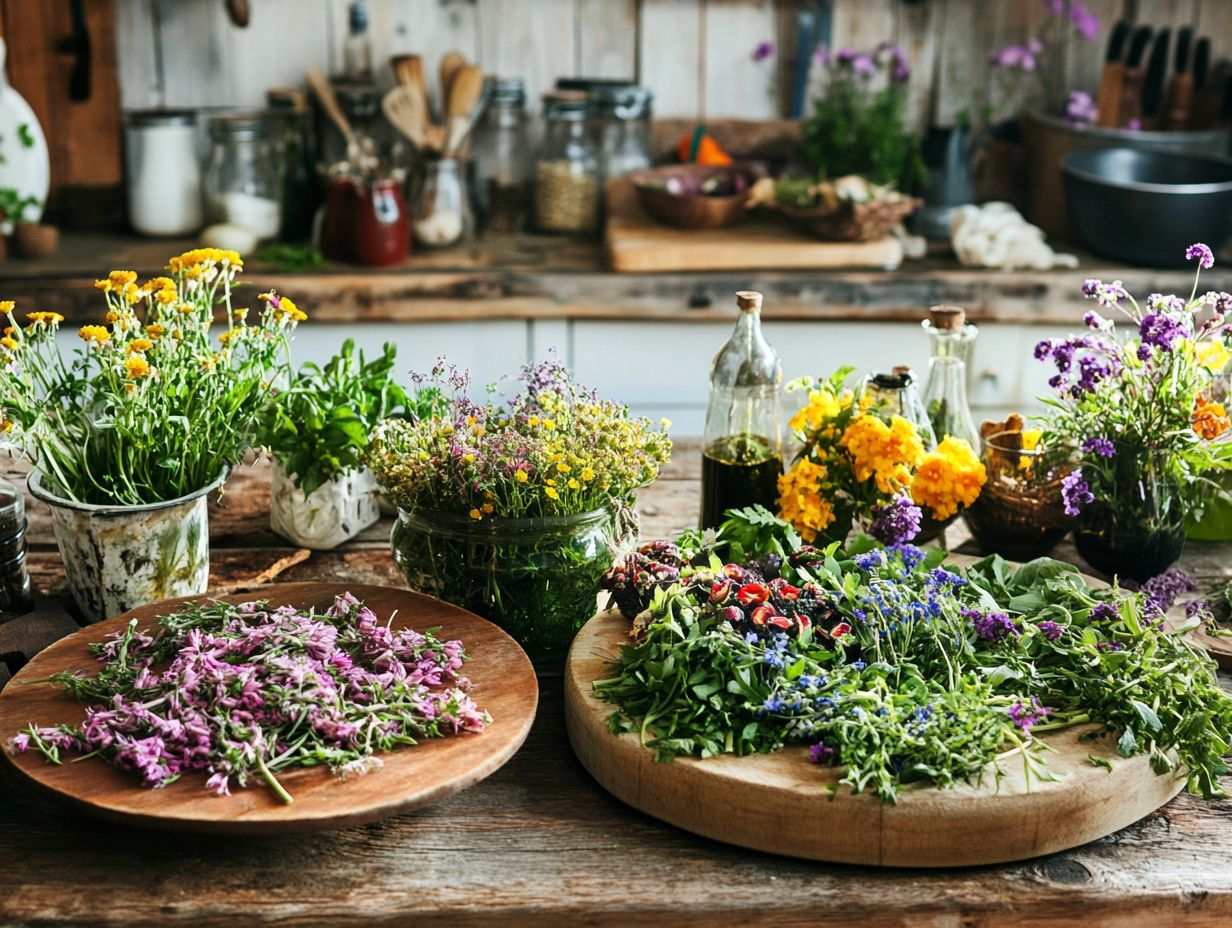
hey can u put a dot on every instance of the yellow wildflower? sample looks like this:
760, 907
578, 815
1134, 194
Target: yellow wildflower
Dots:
138, 345
549, 424
520, 476
468, 459
166, 296
948, 478
137, 367
533, 421
239, 315
6, 307
94, 333
226, 336
551, 493
154, 330
476, 514
587, 474
132, 293
885, 452
10, 343
488, 509
800, 499
6, 425
821, 407
573, 484
563, 468
118, 280
44, 318
207, 363
10, 330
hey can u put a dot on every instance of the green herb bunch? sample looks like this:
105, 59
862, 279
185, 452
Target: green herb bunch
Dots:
896, 669
858, 123
318, 428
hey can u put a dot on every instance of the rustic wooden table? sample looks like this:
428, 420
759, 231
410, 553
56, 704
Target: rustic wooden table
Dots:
540, 841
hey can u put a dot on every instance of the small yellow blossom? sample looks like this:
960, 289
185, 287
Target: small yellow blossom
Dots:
139, 345
573, 484
587, 474
551, 493
226, 336
476, 514
549, 424
94, 333
9, 342
154, 330
137, 367
44, 318
563, 468
6, 425
6, 307
520, 476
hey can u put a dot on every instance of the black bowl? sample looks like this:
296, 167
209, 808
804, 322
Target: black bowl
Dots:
1147, 207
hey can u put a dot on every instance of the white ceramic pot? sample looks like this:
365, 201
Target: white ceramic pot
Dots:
119, 557
331, 514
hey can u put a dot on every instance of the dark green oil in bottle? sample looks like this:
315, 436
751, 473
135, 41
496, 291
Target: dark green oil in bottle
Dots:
739, 471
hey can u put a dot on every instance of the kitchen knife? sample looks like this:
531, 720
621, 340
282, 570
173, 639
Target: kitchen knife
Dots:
1135, 76
1156, 76
1180, 88
1208, 95
1108, 102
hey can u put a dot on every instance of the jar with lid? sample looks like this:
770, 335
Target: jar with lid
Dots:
567, 176
441, 211
895, 394
503, 158
365, 219
623, 116
299, 185
241, 180
164, 172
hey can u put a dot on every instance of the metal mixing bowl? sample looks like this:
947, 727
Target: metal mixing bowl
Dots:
1147, 207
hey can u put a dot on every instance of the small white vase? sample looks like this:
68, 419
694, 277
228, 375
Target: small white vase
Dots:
120, 557
334, 512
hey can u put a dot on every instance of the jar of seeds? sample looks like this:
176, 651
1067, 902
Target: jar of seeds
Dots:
567, 176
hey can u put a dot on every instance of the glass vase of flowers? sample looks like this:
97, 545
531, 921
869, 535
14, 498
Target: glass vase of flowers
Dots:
514, 509
1135, 405
131, 430
859, 464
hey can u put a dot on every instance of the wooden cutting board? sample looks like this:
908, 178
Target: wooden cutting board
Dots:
635, 242
504, 685
779, 803
1220, 649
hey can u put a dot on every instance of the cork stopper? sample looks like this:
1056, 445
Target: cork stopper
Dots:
947, 318
748, 300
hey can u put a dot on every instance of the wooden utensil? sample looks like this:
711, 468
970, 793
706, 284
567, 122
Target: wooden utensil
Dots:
447, 71
406, 111
409, 72
1153, 85
463, 102
1135, 77
1179, 102
1108, 101
324, 93
504, 684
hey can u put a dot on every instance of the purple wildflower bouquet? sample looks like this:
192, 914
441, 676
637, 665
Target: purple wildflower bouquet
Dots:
1137, 404
512, 509
242, 692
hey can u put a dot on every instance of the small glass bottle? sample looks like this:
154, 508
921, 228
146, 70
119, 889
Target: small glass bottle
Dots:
15, 594
741, 455
945, 397
567, 188
441, 211
300, 186
504, 160
241, 180
357, 47
894, 394
624, 126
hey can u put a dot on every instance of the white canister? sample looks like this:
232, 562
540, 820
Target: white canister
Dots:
164, 172
334, 512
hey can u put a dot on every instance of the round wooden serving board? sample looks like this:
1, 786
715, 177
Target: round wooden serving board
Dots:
504, 685
1220, 649
779, 803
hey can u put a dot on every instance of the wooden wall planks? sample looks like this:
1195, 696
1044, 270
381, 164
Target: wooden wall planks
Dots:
697, 55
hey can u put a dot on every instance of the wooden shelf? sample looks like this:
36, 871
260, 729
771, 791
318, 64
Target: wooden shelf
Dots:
542, 277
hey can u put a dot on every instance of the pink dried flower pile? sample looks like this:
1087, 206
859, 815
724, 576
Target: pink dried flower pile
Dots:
250, 690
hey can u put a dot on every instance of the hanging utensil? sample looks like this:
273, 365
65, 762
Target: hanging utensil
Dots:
324, 92
447, 70
409, 72
1180, 88
239, 12
1153, 85
1108, 101
465, 94
407, 112
1135, 76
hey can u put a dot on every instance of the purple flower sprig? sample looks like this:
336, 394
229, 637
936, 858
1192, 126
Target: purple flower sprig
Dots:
896, 522
1075, 492
244, 692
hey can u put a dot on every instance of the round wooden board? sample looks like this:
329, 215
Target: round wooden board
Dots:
504, 684
1220, 649
779, 803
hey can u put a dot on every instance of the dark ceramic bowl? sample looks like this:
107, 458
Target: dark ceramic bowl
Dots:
656, 192
1147, 207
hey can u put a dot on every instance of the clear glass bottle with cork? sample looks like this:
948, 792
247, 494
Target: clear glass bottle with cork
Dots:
945, 397
894, 394
741, 457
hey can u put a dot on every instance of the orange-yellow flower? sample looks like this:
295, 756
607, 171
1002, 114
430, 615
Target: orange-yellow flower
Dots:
137, 367
947, 478
139, 345
800, 499
1210, 419
94, 333
154, 330
44, 318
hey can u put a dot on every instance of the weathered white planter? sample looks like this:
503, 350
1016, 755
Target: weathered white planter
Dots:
331, 514
119, 557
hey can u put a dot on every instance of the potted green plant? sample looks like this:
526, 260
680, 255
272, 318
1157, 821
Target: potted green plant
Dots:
317, 432
129, 432
513, 509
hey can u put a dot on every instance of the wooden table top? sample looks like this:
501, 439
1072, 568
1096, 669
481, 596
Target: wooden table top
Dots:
540, 840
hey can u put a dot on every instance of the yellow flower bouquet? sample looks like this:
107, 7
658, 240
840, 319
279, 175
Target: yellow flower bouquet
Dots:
858, 465
129, 429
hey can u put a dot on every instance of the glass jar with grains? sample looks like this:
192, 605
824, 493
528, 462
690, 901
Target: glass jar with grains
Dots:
567, 177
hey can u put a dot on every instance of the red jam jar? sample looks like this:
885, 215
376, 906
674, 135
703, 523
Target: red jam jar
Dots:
365, 222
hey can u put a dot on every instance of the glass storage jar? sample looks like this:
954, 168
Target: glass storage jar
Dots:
623, 117
441, 214
567, 176
536, 578
241, 181
164, 172
504, 159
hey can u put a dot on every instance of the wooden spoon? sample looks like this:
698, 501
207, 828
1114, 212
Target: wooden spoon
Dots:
464, 95
451, 63
409, 72
324, 92
407, 112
